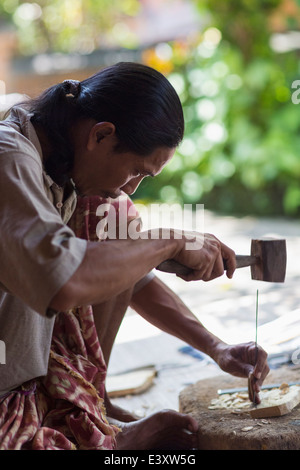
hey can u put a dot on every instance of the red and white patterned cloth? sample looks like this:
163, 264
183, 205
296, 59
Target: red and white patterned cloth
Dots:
65, 410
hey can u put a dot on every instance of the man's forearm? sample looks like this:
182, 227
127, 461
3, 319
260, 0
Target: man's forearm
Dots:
163, 308
111, 267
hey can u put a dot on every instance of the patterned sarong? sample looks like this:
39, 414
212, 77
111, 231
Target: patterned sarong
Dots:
65, 410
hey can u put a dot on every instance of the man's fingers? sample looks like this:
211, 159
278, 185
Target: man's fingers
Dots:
261, 367
206, 257
229, 260
215, 266
261, 374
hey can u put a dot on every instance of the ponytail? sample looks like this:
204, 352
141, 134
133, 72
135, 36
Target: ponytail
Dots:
54, 110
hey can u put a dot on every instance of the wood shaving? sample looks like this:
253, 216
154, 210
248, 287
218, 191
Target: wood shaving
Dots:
284, 385
247, 428
240, 401
230, 401
277, 396
284, 388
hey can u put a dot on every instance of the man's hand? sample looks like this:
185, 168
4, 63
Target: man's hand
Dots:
205, 255
241, 360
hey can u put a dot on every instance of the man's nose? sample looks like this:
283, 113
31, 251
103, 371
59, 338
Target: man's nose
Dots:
132, 185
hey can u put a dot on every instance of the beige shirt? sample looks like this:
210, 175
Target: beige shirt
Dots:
38, 251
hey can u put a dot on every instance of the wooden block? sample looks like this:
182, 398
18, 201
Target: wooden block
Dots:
274, 403
271, 254
130, 383
224, 429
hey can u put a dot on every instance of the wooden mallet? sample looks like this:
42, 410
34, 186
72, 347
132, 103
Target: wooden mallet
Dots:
267, 261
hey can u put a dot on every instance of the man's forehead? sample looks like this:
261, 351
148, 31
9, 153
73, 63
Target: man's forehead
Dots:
154, 164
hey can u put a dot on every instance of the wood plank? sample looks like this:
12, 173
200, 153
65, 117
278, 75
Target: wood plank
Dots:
131, 383
268, 408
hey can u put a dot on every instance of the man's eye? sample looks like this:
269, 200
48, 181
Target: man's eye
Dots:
143, 174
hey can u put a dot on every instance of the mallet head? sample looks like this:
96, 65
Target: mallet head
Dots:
271, 259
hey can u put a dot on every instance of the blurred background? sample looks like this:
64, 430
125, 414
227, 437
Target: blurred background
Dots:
233, 64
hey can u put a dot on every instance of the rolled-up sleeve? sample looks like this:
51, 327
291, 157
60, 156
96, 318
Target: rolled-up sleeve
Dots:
38, 252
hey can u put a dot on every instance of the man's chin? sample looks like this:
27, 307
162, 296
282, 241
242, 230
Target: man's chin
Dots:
107, 195
99, 193
112, 195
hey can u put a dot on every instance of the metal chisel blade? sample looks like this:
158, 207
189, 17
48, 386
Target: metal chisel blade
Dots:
256, 347
245, 389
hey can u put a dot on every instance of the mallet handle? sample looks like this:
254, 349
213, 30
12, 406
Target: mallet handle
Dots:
171, 266
243, 260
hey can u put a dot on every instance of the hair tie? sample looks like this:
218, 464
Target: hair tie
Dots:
72, 88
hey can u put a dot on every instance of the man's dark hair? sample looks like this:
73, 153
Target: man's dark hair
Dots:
138, 100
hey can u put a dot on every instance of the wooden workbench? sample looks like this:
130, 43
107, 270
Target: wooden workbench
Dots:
226, 430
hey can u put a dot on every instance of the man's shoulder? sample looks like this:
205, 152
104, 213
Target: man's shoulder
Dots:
10, 136
14, 145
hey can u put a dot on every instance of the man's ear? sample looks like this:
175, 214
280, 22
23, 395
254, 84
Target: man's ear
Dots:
98, 132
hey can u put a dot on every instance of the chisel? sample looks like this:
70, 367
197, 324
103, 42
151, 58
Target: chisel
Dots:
256, 347
245, 389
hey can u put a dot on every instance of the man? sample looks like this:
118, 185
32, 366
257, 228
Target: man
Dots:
60, 310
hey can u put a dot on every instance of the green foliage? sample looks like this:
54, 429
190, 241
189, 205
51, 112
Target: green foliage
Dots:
242, 142
241, 152
69, 25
